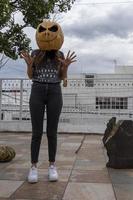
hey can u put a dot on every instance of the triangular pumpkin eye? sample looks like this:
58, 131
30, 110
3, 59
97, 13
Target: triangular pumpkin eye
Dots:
41, 29
53, 28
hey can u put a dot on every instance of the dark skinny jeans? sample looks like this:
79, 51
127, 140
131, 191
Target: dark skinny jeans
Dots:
49, 96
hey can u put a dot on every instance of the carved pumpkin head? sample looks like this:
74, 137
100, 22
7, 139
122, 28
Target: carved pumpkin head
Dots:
49, 35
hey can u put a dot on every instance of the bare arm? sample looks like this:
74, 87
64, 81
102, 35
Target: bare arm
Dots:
70, 58
29, 61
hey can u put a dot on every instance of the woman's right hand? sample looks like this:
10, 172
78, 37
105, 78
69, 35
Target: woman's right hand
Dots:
28, 59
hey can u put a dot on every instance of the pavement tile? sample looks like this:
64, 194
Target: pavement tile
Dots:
64, 164
68, 145
66, 153
92, 148
93, 141
18, 164
90, 176
3, 165
41, 190
94, 155
89, 191
96, 140
93, 137
121, 175
64, 175
21, 156
62, 157
74, 139
13, 174
8, 187
123, 191
89, 165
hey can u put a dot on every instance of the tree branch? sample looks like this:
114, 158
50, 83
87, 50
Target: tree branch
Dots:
13, 3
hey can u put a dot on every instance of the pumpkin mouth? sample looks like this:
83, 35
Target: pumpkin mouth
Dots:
47, 40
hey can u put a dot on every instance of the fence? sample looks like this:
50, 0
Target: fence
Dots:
88, 104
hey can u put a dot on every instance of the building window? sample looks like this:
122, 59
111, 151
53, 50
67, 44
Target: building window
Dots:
89, 80
111, 102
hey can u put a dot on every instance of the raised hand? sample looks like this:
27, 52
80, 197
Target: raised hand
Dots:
28, 59
70, 58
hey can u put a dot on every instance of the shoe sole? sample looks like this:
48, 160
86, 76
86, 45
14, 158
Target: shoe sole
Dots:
34, 181
53, 180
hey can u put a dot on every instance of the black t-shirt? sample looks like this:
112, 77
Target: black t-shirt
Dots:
47, 70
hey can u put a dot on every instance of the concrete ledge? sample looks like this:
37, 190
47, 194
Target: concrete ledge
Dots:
25, 126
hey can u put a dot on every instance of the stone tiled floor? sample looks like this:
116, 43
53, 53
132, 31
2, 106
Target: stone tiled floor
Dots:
82, 171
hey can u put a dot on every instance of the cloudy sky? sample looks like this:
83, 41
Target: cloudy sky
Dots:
99, 31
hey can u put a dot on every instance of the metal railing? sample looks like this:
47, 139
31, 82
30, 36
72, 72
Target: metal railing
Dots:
84, 99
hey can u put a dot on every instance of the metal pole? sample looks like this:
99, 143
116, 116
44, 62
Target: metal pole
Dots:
21, 100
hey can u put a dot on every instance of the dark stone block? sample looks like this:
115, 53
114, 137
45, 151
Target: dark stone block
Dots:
119, 145
110, 126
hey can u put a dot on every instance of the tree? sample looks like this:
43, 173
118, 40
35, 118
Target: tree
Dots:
12, 36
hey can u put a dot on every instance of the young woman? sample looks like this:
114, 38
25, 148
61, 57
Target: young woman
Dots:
46, 69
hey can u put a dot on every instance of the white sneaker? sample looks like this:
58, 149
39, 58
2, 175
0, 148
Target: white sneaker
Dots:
52, 173
33, 175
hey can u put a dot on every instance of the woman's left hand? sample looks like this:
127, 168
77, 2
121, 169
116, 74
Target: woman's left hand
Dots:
70, 58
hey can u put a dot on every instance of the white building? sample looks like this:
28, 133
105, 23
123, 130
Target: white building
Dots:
101, 93
123, 69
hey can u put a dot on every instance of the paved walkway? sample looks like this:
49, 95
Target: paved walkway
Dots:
82, 171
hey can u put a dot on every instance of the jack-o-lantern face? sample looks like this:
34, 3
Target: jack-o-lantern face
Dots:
49, 35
